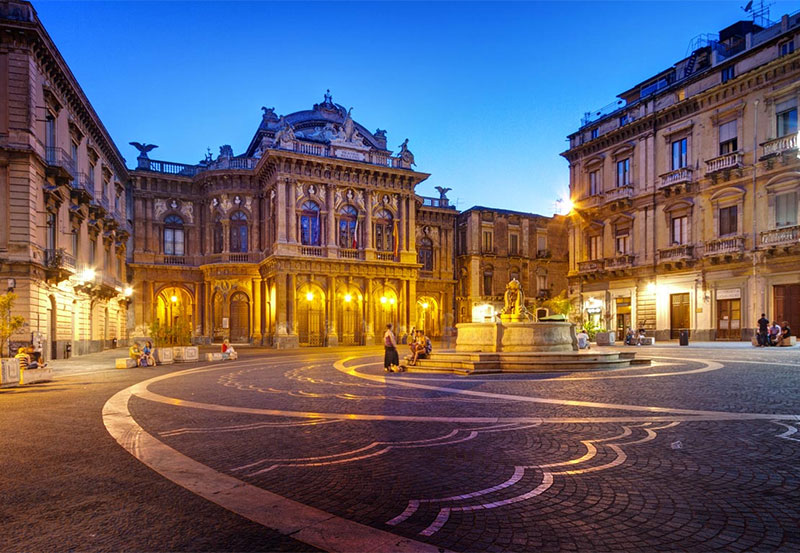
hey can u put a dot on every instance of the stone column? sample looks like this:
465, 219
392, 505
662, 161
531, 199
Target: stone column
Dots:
226, 236
333, 336
402, 308
411, 301
291, 326
291, 212
412, 224
369, 331
331, 217
401, 224
281, 312
257, 300
368, 222
280, 211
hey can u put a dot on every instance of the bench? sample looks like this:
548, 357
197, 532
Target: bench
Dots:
216, 356
792, 341
124, 363
648, 341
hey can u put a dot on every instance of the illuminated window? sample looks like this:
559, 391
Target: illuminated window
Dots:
173, 235
238, 232
384, 240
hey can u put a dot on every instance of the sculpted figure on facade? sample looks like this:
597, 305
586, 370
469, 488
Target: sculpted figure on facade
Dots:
405, 154
160, 207
187, 210
226, 203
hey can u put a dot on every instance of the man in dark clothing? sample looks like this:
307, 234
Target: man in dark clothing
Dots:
763, 332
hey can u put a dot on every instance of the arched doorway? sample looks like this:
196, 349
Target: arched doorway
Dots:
385, 313
240, 317
174, 309
427, 317
349, 317
310, 316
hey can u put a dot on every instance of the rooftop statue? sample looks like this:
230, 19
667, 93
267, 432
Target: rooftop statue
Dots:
143, 148
514, 299
348, 127
443, 193
285, 134
269, 113
405, 154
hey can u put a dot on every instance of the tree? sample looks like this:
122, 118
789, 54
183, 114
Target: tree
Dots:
9, 323
559, 305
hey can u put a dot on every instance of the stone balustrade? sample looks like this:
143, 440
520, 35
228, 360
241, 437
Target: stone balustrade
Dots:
724, 162
384, 256
312, 251
590, 266
619, 193
779, 145
785, 235
620, 261
731, 244
676, 253
678, 176
349, 253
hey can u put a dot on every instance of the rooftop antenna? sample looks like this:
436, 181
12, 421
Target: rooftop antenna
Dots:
759, 12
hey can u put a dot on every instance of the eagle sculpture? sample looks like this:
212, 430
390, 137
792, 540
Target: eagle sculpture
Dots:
443, 192
143, 148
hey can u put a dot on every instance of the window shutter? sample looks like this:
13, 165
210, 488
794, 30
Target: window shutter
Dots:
727, 131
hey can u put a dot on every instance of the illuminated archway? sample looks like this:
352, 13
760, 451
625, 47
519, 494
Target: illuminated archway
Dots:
427, 316
174, 308
349, 315
386, 305
310, 315
239, 317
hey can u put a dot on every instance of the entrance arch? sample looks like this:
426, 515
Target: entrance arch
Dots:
427, 316
349, 321
240, 317
385, 313
310, 315
174, 308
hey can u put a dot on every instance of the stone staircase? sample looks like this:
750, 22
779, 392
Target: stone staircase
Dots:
466, 363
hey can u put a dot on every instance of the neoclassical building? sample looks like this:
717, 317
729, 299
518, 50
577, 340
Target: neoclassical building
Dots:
686, 192
63, 225
308, 237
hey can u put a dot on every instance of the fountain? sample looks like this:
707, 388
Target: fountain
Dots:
517, 343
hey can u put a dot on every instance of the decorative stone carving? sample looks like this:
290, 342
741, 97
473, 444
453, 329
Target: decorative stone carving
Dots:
160, 207
173, 204
237, 200
226, 203
514, 304
248, 202
405, 154
187, 210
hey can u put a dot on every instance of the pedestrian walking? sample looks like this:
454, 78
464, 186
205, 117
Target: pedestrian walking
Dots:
391, 360
763, 331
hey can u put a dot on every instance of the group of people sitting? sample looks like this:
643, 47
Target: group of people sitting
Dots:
142, 355
633, 338
419, 344
29, 358
772, 334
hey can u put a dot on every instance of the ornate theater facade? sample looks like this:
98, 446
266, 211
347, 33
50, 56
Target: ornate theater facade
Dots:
312, 236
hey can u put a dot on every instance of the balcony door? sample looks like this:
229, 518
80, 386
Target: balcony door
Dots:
787, 305
678, 314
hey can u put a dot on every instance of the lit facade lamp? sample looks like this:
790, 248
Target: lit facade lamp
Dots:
309, 296
348, 298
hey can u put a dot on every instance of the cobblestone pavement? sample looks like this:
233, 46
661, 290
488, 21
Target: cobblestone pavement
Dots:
698, 452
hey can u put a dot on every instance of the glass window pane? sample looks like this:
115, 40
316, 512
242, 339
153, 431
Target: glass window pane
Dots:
169, 241
178, 242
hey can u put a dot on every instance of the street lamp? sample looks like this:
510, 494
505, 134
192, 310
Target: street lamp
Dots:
174, 299
309, 296
127, 292
348, 298
384, 299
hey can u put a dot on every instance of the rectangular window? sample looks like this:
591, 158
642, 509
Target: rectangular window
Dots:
622, 240
91, 176
74, 153
595, 133
728, 222
51, 230
75, 242
541, 243
786, 48
513, 244
487, 283
92, 251
594, 247
786, 209
679, 154
680, 227
106, 259
462, 241
623, 120
623, 172
594, 183
541, 282
728, 140
488, 241
50, 131
786, 114
727, 74
119, 268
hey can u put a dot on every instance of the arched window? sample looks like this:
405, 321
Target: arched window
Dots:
348, 227
173, 235
383, 231
488, 272
425, 254
238, 232
309, 224
514, 274
217, 242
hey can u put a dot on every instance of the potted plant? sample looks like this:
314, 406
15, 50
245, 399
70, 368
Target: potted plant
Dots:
9, 324
162, 348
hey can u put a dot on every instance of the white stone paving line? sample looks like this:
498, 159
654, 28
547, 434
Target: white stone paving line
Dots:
519, 472
290, 518
790, 430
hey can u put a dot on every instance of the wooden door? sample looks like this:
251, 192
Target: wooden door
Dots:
240, 318
729, 319
310, 324
787, 305
678, 314
349, 324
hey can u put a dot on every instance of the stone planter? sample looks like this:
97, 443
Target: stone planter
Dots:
605, 338
9, 372
186, 354
32, 376
164, 356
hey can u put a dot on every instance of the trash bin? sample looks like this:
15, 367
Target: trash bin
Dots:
113, 342
683, 336
67, 351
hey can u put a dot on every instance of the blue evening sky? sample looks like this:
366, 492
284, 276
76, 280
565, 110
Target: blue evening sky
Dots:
486, 92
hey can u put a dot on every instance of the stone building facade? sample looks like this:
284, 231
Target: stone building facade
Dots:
686, 190
64, 232
497, 245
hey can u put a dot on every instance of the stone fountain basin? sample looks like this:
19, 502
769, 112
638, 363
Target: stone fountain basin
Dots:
546, 336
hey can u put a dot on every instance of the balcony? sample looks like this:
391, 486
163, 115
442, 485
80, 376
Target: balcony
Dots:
721, 246
312, 251
82, 184
233, 257
543, 254
585, 202
680, 252
724, 163
781, 236
59, 162
619, 262
619, 193
442, 203
349, 253
590, 266
384, 256
779, 146
58, 264
678, 176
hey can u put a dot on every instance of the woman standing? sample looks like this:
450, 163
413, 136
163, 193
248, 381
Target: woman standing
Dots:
390, 359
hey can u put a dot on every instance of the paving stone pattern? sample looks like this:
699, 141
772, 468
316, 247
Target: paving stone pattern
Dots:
716, 467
